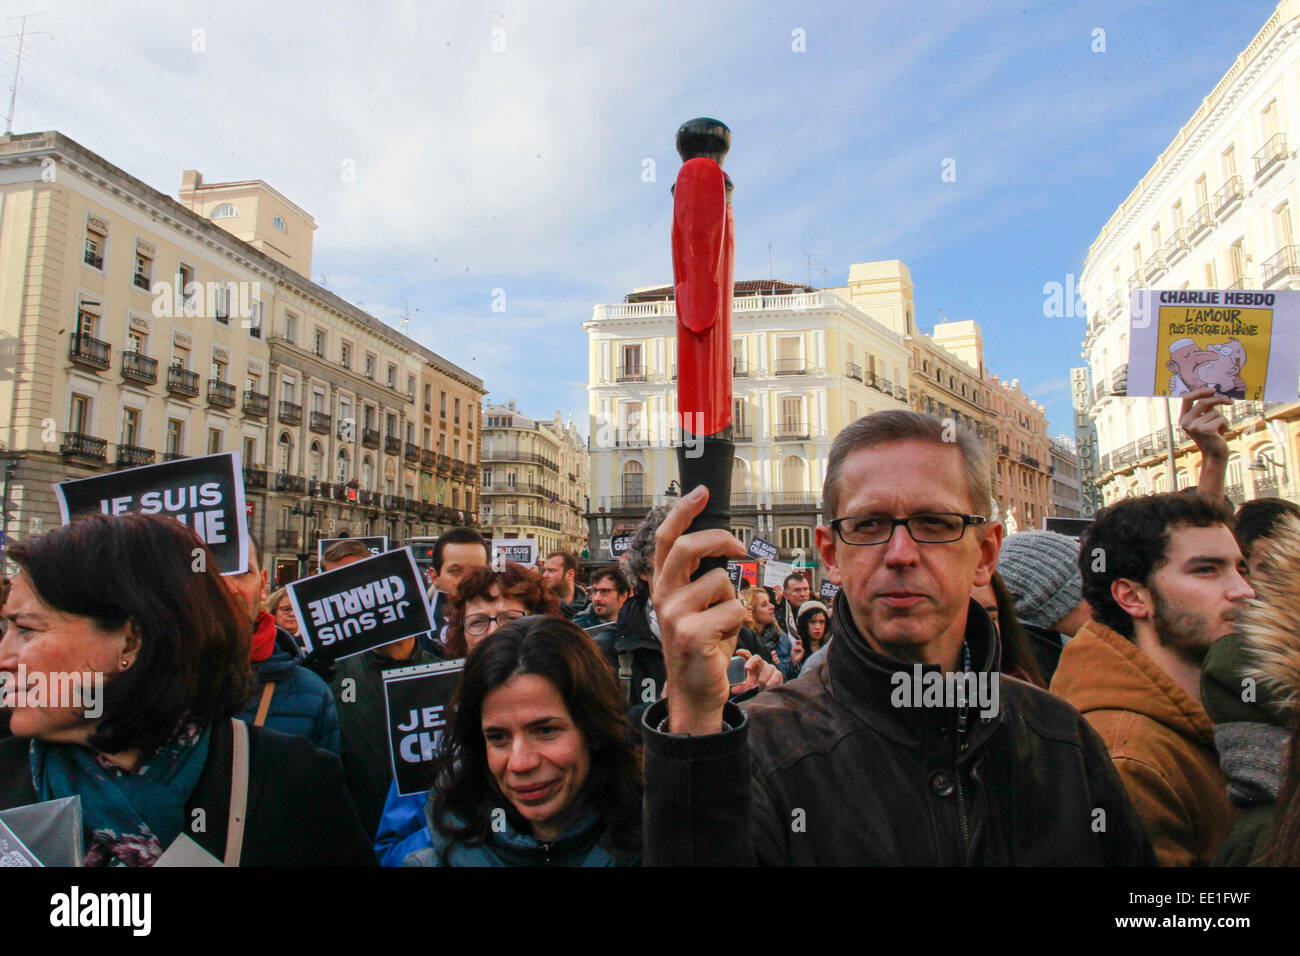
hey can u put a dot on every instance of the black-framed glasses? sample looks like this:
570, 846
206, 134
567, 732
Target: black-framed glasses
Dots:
933, 528
604, 590
477, 624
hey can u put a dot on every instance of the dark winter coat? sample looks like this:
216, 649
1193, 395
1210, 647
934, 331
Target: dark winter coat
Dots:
299, 812
358, 690
825, 770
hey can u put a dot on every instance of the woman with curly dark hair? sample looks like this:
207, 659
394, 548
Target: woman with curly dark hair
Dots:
537, 767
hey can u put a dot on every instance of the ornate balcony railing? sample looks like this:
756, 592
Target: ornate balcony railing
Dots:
256, 404
89, 352
1200, 223
182, 381
1270, 155
139, 368
1227, 195
81, 445
221, 394
1283, 263
133, 456
290, 413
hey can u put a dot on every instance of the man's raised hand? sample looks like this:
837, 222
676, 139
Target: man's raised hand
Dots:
1204, 423
699, 620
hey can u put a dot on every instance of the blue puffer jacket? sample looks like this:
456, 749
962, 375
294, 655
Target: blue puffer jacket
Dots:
401, 827
302, 703
581, 845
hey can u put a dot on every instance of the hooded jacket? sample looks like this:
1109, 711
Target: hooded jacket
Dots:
1253, 735
301, 703
832, 769
1160, 738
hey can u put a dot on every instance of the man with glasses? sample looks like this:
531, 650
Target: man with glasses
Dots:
907, 746
608, 591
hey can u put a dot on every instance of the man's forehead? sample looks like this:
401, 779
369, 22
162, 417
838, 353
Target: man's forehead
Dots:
464, 552
912, 475
1213, 541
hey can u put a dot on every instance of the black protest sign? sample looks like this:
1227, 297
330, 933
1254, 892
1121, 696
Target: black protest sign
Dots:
1070, 527
361, 605
520, 550
619, 545
419, 703
206, 493
759, 548
376, 545
829, 590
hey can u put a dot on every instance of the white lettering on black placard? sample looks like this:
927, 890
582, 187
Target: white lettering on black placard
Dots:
362, 605
759, 548
418, 701
205, 493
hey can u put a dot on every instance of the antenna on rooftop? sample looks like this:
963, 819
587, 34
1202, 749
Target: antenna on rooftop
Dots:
809, 259
22, 36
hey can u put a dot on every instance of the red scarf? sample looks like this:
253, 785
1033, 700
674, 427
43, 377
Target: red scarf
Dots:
263, 637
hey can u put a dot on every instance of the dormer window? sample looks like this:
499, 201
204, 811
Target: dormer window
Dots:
225, 211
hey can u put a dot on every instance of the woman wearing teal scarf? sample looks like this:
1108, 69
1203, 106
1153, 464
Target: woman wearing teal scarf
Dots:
125, 664
131, 818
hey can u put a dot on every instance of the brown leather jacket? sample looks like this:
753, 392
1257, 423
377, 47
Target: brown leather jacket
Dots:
1160, 737
826, 770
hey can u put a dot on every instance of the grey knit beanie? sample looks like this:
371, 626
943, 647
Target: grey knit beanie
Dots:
1041, 570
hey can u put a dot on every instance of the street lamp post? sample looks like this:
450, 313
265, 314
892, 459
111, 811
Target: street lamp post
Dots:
306, 510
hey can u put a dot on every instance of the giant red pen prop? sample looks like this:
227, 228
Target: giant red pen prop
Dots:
704, 238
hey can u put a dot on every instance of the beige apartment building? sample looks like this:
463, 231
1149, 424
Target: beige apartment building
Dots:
1216, 210
805, 363
1022, 482
143, 329
535, 480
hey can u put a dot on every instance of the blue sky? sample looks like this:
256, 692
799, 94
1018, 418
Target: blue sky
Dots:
521, 167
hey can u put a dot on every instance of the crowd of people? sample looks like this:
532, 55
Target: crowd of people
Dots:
1129, 698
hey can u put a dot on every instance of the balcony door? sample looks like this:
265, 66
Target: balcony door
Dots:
633, 480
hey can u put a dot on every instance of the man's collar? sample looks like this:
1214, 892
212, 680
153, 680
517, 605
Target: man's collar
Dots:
863, 680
